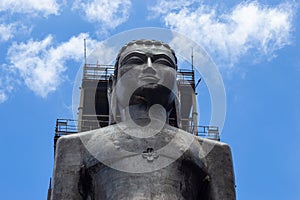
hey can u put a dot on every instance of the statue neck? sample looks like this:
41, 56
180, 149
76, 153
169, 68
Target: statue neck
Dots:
139, 113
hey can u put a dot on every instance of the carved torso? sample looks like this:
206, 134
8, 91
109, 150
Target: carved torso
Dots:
181, 180
93, 166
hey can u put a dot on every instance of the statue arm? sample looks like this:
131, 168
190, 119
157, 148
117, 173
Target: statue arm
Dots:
220, 170
67, 166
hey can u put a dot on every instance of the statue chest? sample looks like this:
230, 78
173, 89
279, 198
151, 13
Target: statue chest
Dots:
180, 180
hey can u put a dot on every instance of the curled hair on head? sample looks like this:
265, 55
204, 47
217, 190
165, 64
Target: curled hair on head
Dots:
142, 42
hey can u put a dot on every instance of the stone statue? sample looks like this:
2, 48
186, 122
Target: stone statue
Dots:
140, 156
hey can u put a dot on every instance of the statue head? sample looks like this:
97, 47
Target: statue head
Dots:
146, 71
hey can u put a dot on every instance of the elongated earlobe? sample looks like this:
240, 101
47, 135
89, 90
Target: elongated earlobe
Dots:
112, 100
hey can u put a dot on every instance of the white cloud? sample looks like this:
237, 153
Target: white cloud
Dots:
3, 96
228, 36
10, 27
12, 30
46, 7
109, 13
41, 65
166, 6
6, 32
7, 82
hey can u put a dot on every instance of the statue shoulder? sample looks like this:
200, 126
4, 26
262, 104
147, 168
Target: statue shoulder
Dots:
76, 140
209, 144
101, 134
68, 141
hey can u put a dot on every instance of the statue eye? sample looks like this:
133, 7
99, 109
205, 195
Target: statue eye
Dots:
164, 61
133, 60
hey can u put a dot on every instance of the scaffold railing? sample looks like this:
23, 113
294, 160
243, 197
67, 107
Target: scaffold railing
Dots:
185, 76
97, 71
69, 126
103, 72
65, 126
209, 132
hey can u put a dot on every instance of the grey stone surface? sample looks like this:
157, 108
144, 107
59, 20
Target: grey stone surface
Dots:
79, 175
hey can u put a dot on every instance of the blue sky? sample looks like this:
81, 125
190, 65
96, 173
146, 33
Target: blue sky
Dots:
254, 44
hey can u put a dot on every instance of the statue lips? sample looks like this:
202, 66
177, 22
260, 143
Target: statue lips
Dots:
149, 78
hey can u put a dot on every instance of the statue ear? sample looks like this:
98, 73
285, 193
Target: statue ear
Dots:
110, 85
112, 100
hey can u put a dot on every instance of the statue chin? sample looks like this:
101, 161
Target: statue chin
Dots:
151, 94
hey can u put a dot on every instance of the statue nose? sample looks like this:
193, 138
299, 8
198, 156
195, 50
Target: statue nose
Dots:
149, 67
149, 62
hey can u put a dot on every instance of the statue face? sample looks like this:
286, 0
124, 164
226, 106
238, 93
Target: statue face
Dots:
150, 67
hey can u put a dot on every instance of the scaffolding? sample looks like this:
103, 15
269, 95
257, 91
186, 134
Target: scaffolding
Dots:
69, 126
93, 111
